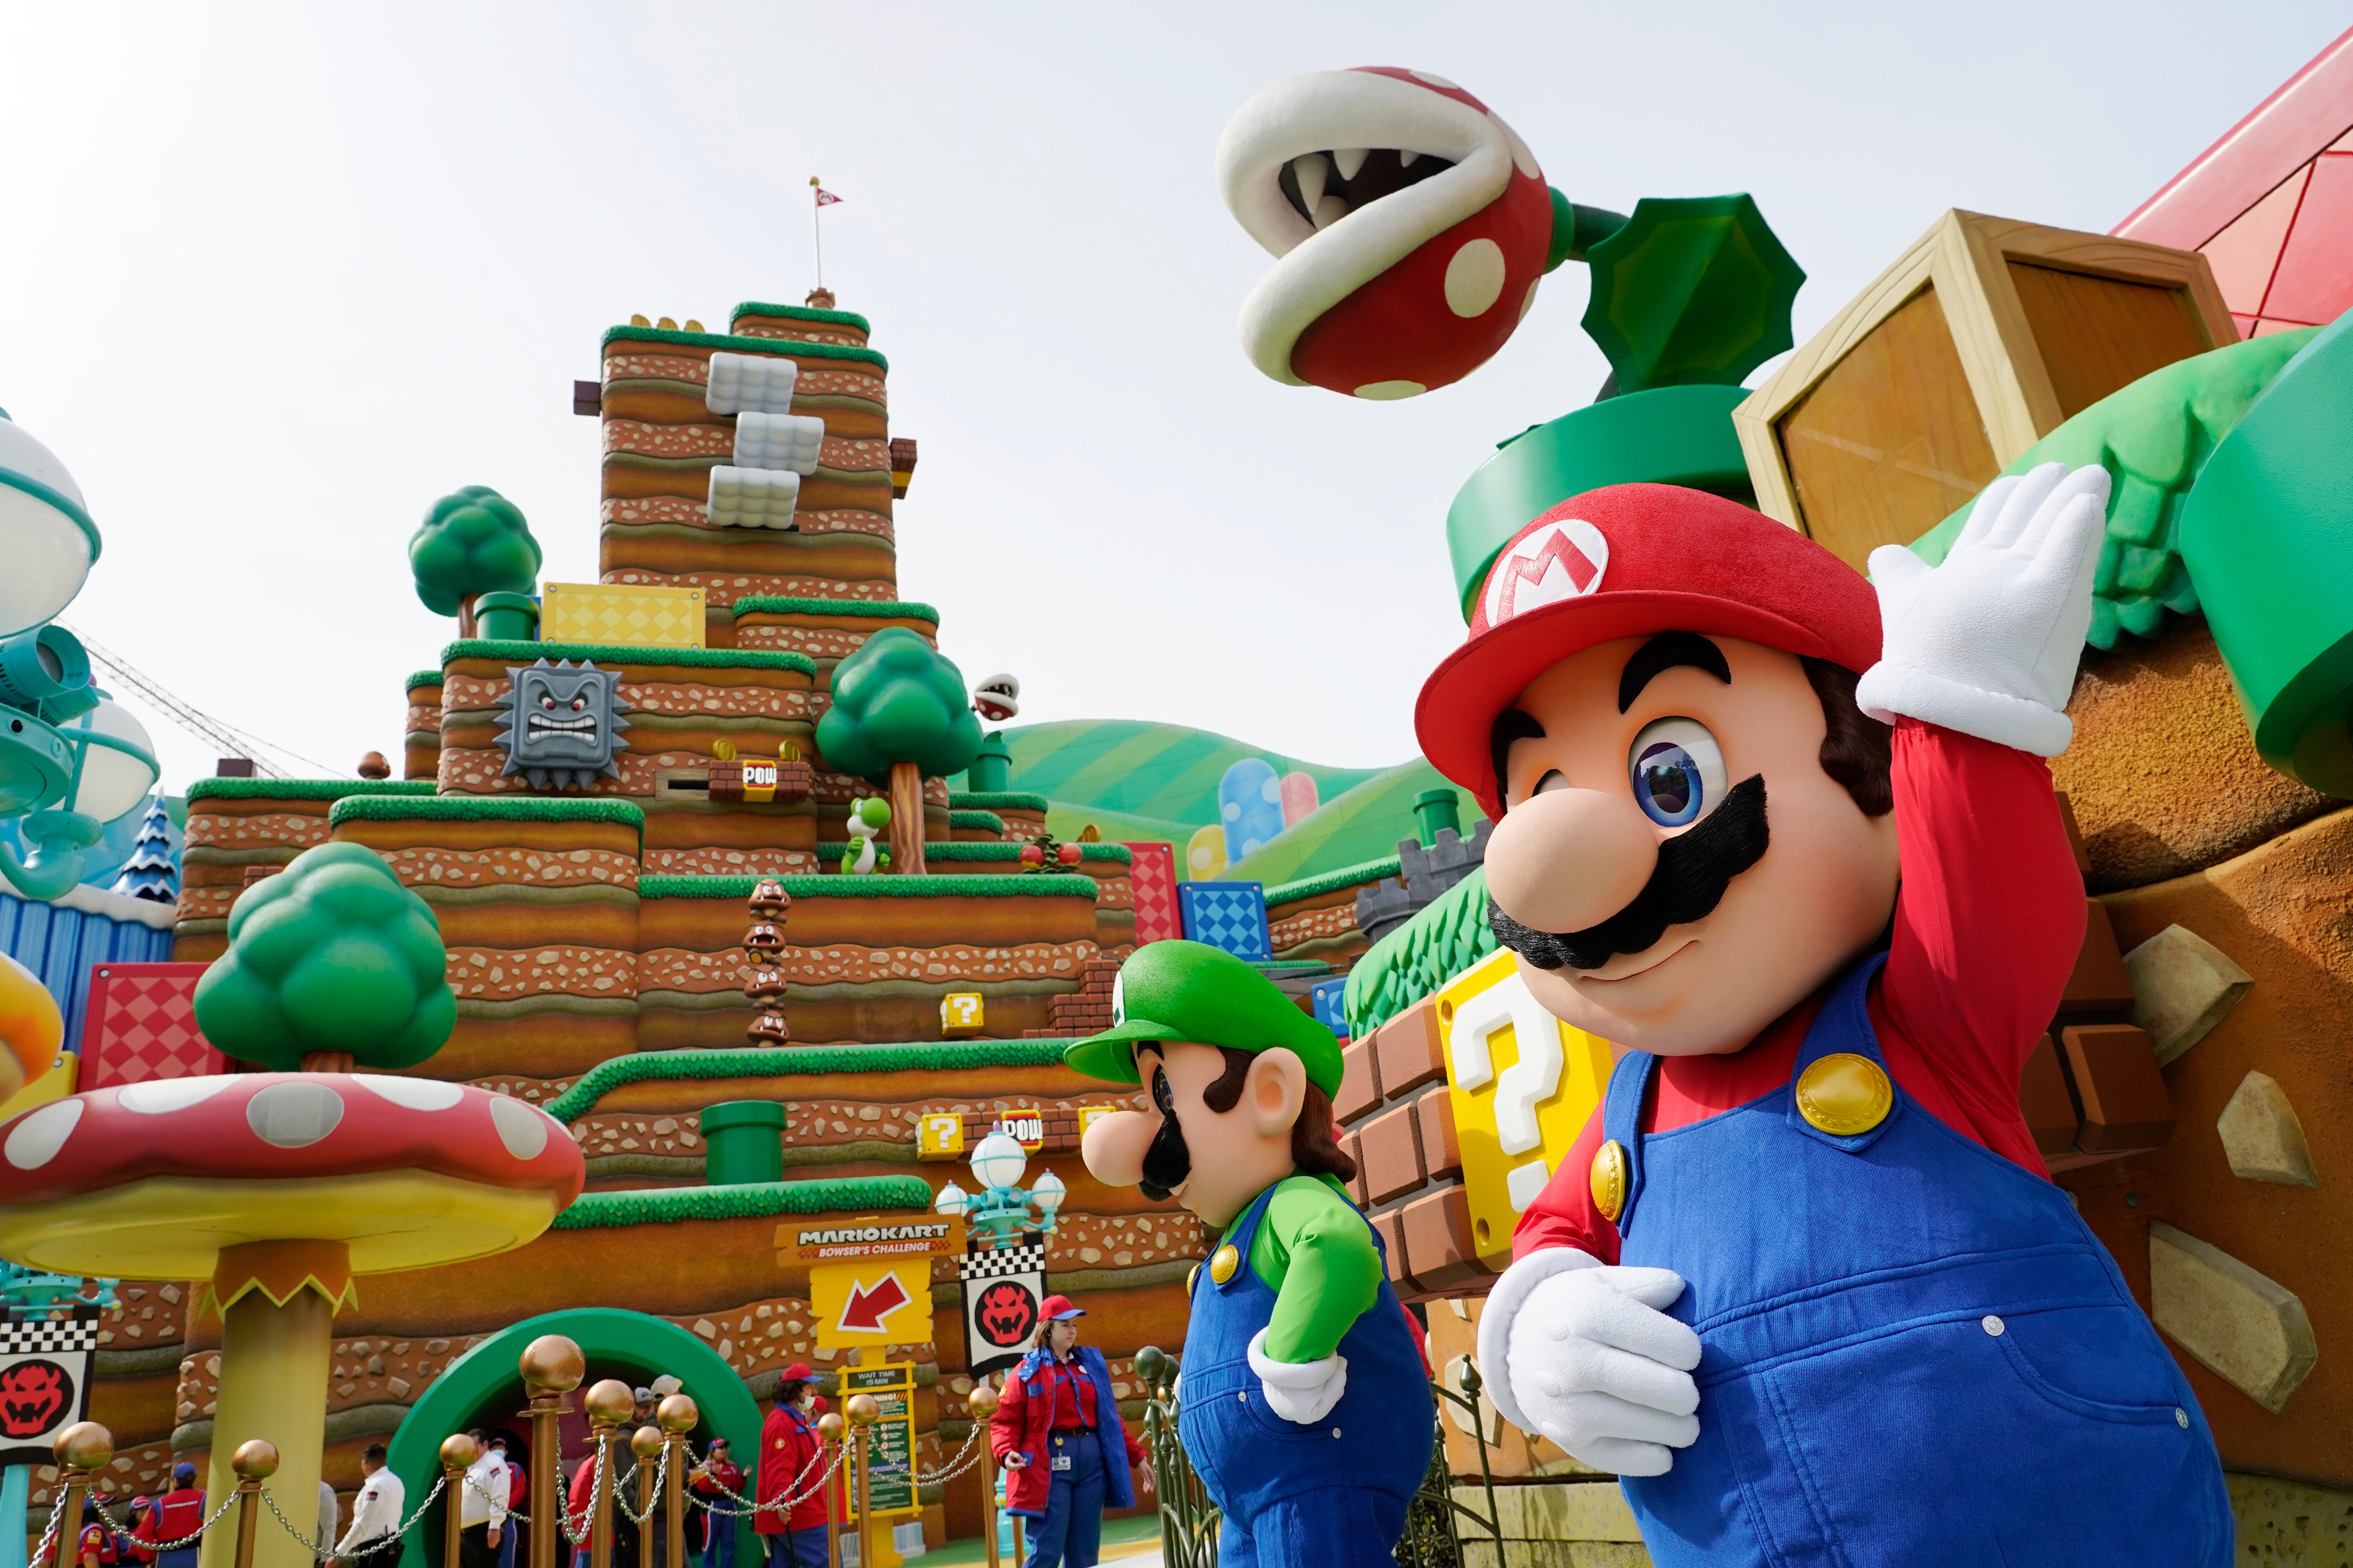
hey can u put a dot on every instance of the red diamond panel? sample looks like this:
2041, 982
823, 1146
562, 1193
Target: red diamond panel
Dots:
142, 1025
1153, 875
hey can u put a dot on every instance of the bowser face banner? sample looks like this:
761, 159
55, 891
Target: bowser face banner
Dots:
44, 1386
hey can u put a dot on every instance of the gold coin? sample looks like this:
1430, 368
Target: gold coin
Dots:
1844, 1093
1223, 1262
1609, 1179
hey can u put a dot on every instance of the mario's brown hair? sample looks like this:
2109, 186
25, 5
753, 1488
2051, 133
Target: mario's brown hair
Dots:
1313, 1148
1857, 750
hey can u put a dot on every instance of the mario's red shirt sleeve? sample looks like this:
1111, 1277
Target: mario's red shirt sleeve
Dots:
1563, 1214
1991, 916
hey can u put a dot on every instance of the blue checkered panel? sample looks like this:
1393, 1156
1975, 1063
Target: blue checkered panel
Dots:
1227, 914
1330, 998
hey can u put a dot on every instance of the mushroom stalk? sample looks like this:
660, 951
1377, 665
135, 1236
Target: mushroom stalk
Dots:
274, 1371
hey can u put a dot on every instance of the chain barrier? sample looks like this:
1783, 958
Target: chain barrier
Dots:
957, 1464
124, 1528
662, 1474
790, 1499
49, 1536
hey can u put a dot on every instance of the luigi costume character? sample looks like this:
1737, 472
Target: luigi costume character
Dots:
1305, 1405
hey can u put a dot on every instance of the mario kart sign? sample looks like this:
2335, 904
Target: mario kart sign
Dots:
44, 1386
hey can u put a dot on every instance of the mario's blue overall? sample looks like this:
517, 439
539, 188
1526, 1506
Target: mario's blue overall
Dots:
1912, 1350
1333, 1494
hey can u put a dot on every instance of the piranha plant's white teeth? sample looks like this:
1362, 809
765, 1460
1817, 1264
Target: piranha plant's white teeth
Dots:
758, 382
1311, 170
778, 442
1348, 160
1331, 211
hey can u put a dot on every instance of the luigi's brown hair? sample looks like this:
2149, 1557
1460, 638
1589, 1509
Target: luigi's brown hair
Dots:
1313, 1148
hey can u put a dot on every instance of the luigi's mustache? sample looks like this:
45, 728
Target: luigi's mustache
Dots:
1168, 1163
1693, 870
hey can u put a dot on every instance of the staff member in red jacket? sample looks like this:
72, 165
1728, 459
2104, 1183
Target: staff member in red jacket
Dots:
792, 1457
1057, 1432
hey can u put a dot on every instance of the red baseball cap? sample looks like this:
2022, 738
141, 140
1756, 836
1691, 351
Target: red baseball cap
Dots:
1058, 1310
1632, 560
797, 1372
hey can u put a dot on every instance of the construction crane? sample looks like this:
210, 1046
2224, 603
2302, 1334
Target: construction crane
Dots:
225, 738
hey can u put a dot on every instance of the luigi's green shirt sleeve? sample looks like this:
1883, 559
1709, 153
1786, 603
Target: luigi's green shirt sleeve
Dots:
1315, 1251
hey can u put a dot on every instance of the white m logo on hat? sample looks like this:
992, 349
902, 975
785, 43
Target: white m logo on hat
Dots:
1557, 561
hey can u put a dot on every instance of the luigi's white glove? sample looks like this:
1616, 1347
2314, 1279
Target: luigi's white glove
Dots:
1303, 1391
1581, 1352
1988, 643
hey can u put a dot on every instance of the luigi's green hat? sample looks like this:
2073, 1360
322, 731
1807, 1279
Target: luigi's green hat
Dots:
1189, 991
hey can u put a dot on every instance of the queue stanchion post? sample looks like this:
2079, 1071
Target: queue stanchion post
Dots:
458, 1453
863, 1413
610, 1404
552, 1367
646, 1446
983, 1403
832, 1432
255, 1461
82, 1450
677, 1414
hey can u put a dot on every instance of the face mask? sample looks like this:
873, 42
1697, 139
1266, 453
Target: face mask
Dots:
1167, 1163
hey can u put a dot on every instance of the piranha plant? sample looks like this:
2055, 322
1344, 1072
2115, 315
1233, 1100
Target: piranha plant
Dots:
277, 1188
899, 713
474, 541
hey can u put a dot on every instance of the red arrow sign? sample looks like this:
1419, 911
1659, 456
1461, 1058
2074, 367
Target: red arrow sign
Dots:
866, 1308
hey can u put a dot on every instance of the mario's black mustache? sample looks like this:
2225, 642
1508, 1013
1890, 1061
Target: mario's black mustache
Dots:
1167, 1163
1693, 870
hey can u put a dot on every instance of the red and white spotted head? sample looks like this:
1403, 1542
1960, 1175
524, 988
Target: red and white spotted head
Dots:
1410, 226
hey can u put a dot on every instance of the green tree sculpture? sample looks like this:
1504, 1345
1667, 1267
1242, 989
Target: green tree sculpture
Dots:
474, 541
331, 958
899, 713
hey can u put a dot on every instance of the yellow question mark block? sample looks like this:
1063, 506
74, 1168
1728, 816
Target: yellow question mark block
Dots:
1523, 1084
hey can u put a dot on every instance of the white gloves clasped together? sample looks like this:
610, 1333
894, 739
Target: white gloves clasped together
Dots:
1303, 1391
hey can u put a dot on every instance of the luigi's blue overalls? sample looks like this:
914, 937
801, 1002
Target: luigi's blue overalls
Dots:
1912, 1351
1332, 1495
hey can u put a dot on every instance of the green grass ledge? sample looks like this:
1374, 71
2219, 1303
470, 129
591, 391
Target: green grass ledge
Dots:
1066, 884
487, 809
790, 347
1357, 876
305, 789
744, 1201
797, 1061
423, 678
627, 653
971, 850
867, 608
996, 800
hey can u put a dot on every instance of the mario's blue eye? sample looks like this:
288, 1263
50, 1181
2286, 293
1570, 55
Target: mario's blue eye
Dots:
1677, 771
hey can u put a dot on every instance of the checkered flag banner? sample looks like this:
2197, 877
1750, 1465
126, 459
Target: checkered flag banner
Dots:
1002, 1289
44, 1386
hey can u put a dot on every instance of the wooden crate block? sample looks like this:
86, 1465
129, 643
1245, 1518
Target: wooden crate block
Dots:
2124, 1101
2048, 1104
1979, 341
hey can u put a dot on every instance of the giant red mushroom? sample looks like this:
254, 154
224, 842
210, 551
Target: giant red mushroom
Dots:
276, 1189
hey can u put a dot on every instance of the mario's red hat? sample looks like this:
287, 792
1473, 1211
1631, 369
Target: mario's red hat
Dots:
1632, 560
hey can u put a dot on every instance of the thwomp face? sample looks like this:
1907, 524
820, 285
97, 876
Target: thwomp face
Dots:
565, 724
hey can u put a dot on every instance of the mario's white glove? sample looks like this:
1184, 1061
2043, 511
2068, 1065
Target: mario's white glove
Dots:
1581, 1352
1303, 1391
1988, 643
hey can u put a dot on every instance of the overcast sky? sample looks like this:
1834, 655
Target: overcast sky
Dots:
274, 279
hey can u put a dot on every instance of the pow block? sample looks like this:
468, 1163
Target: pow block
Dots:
1523, 1085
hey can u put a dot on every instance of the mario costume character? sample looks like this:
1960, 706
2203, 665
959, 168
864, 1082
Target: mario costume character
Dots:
1803, 1282
1304, 1405
1058, 1432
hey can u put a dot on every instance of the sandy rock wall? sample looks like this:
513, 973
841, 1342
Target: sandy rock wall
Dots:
1323, 928
421, 733
2162, 774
